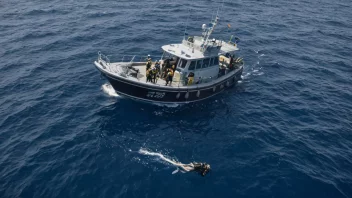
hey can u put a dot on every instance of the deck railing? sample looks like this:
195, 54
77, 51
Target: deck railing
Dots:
184, 80
103, 58
201, 48
126, 58
124, 69
134, 58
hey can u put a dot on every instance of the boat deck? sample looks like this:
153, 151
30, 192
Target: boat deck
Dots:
160, 81
142, 77
129, 70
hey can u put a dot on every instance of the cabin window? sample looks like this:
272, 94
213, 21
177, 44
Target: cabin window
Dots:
199, 64
216, 61
182, 63
206, 62
166, 55
192, 66
211, 62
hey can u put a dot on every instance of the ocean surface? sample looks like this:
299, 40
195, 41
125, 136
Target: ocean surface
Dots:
285, 130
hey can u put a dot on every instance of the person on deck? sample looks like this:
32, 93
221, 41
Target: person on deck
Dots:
157, 66
170, 75
148, 58
149, 75
164, 69
148, 64
154, 72
231, 63
190, 78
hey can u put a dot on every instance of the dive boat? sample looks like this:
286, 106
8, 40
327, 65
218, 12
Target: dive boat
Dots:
199, 67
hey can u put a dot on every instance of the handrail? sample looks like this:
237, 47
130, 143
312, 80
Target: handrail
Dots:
182, 83
104, 60
128, 58
101, 57
201, 48
124, 69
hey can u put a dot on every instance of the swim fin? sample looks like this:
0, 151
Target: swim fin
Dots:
175, 171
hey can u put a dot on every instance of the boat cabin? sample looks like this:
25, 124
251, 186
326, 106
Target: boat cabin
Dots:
203, 60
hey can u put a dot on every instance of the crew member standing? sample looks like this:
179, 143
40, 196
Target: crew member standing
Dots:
154, 75
148, 64
170, 75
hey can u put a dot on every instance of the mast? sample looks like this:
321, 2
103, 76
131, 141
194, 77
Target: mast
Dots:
211, 29
207, 31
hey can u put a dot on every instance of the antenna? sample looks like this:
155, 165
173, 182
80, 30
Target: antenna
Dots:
186, 25
217, 14
207, 31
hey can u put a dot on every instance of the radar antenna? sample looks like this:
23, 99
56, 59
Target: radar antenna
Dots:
207, 31
186, 25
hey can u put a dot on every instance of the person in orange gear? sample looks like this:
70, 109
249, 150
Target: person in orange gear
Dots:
170, 75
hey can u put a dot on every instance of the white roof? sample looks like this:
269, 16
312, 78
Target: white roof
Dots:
183, 51
190, 51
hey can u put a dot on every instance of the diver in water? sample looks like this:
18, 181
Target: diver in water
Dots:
201, 168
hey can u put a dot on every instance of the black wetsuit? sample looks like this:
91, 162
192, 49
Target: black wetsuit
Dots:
200, 168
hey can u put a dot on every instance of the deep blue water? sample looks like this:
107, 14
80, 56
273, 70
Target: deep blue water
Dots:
284, 131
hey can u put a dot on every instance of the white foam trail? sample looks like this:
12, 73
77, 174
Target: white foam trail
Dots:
171, 105
161, 156
259, 74
108, 89
245, 76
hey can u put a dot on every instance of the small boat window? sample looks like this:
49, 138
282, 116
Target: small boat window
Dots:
211, 62
192, 66
206, 62
216, 61
199, 64
166, 55
182, 63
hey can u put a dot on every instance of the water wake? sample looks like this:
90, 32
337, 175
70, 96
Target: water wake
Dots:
172, 105
108, 89
161, 156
